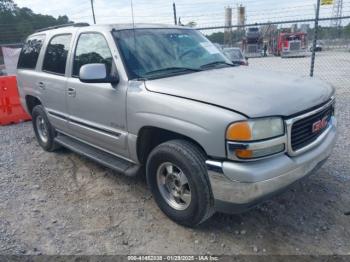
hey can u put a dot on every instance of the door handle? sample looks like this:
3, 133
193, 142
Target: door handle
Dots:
41, 85
71, 91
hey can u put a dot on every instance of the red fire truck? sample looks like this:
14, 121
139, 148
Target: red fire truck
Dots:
291, 44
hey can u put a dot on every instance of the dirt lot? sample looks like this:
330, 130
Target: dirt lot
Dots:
61, 203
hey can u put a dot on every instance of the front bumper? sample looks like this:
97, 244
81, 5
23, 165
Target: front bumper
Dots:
300, 53
237, 186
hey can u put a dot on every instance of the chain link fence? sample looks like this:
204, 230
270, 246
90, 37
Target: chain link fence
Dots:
287, 46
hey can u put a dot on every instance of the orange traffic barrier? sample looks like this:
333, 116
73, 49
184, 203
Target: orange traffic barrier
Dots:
11, 110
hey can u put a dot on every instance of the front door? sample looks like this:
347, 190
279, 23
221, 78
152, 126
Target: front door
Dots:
96, 111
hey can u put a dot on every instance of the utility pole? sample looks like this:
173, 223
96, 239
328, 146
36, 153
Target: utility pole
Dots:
93, 11
132, 14
313, 56
336, 13
174, 10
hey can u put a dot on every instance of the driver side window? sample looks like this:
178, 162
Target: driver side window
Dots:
92, 48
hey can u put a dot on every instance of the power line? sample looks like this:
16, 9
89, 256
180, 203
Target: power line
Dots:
276, 22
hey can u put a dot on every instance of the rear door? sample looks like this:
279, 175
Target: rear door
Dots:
27, 65
52, 80
97, 111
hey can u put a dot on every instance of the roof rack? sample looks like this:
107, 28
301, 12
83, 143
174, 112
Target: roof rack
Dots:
62, 26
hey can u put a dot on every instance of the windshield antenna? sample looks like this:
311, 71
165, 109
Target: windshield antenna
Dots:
133, 24
132, 14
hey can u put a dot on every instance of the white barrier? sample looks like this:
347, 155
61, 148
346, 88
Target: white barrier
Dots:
11, 56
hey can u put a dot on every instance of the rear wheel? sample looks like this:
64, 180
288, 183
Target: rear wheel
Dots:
177, 177
44, 132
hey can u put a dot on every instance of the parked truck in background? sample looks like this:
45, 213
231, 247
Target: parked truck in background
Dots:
253, 44
291, 44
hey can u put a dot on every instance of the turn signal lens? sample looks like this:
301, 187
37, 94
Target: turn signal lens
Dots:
239, 132
244, 154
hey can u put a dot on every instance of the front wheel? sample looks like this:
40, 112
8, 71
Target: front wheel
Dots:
177, 177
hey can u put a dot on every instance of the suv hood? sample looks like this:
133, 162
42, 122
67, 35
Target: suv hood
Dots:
254, 93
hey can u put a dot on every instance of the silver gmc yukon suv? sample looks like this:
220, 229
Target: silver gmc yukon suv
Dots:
164, 101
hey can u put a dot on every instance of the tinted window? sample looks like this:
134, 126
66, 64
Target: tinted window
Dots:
92, 48
30, 52
234, 54
56, 54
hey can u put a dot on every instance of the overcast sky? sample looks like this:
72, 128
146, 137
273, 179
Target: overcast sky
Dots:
203, 12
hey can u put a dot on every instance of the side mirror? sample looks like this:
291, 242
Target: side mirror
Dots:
96, 73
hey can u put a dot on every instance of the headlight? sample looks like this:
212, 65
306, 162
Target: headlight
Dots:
255, 138
258, 129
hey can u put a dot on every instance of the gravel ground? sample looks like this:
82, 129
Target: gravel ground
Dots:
62, 203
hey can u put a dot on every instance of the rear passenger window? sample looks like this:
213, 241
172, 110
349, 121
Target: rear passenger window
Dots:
30, 52
92, 48
56, 54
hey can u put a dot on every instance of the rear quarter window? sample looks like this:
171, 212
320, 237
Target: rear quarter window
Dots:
30, 52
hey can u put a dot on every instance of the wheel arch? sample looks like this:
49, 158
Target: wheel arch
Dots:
150, 137
31, 102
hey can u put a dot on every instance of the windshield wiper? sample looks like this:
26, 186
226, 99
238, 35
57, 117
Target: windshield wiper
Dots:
215, 63
172, 69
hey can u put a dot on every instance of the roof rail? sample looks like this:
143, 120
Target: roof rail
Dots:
61, 26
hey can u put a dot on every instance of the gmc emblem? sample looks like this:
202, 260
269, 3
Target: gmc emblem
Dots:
320, 125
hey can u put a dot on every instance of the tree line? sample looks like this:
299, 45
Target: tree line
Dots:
17, 23
324, 33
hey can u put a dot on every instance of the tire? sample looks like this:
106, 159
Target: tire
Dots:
45, 139
184, 158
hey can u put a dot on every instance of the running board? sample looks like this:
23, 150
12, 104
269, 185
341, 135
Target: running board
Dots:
108, 160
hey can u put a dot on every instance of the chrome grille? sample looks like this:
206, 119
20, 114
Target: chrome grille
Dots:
252, 48
302, 133
294, 46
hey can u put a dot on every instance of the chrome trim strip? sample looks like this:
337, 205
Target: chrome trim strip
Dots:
57, 115
85, 125
290, 122
96, 130
214, 166
231, 146
260, 145
297, 118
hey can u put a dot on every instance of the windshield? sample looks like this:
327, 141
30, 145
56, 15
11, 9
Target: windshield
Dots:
234, 54
293, 38
155, 53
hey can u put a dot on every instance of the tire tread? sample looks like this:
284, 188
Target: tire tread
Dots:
196, 159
